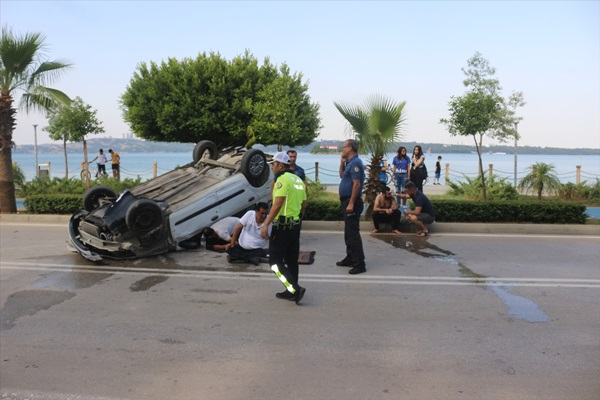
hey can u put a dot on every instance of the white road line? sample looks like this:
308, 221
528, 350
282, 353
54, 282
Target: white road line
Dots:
323, 278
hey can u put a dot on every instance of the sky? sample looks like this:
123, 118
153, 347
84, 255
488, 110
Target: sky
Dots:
347, 51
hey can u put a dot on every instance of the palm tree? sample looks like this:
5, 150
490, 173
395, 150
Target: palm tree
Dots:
542, 177
376, 125
21, 70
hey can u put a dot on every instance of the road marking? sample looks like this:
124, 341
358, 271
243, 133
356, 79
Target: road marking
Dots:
325, 278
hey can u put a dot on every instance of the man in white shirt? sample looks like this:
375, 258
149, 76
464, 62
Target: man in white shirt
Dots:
219, 234
246, 243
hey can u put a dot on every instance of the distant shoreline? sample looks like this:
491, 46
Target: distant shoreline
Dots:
142, 146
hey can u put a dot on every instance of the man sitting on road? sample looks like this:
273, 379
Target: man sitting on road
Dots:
246, 243
219, 234
386, 210
423, 213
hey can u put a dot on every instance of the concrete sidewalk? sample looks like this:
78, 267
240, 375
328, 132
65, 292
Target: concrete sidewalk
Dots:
367, 226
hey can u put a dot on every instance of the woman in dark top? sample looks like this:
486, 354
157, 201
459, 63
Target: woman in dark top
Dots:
418, 171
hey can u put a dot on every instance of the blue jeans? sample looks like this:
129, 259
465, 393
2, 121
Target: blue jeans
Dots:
400, 182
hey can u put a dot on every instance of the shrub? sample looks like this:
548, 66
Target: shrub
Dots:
53, 203
18, 177
581, 191
496, 189
323, 210
539, 212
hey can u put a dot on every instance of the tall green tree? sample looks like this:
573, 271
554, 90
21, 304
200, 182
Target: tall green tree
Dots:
71, 124
541, 177
21, 71
482, 110
377, 125
237, 102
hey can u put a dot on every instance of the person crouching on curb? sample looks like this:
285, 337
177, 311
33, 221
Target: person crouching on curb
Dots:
386, 210
423, 214
289, 203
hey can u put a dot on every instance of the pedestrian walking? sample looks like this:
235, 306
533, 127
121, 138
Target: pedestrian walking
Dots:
289, 203
352, 173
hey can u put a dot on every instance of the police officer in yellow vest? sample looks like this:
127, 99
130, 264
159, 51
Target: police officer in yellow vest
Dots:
289, 203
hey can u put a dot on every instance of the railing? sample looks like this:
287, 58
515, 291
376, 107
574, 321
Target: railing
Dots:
319, 173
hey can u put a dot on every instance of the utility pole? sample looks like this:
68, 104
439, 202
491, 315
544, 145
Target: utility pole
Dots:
37, 173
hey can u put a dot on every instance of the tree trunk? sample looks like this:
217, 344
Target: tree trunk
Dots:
85, 160
66, 162
8, 202
481, 175
371, 186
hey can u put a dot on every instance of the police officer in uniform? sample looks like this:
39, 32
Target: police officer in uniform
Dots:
352, 172
289, 203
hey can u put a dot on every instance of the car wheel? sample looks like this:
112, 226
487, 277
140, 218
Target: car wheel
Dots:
205, 148
143, 215
95, 196
255, 168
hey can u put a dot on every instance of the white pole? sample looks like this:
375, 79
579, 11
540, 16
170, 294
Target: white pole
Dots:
35, 150
516, 135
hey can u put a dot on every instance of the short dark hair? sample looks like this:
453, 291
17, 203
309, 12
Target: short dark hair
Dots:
410, 186
291, 151
261, 206
386, 189
353, 144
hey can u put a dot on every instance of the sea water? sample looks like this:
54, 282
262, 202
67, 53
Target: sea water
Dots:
135, 165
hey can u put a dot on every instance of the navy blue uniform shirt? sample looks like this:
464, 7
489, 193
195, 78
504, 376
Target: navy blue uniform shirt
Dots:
354, 169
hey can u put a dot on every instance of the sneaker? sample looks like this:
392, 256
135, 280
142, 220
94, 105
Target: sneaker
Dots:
285, 295
299, 295
255, 260
344, 263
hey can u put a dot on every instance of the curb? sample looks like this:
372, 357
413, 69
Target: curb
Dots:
367, 226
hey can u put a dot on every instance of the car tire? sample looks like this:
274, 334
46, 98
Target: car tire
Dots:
143, 215
94, 195
205, 148
255, 168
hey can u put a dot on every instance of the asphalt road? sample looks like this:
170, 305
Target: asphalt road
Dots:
450, 316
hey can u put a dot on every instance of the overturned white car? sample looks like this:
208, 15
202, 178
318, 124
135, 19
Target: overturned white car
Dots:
169, 212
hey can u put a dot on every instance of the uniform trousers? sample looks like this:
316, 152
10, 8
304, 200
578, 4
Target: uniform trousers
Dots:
284, 248
354, 246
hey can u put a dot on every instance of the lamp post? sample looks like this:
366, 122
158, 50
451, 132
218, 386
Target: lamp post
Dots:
516, 135
35, 149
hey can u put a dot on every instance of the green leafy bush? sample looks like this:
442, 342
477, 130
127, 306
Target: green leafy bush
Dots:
53, 203
538, 212
581, 192
39, 186
496, 189
323, 210
18, 177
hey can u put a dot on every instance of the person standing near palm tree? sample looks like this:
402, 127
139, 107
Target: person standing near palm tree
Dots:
352, 173
20, 71
418, 172
401, 173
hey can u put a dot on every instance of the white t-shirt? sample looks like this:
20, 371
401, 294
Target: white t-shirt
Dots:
225, 227
101, 158
250, 237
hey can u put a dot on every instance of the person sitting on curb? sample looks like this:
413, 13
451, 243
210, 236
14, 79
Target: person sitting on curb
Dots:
385, 209
219, 234
246, 243
423, 214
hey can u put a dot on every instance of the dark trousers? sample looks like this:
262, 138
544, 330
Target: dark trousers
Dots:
247, 255
354, 246
284, 247
393, 218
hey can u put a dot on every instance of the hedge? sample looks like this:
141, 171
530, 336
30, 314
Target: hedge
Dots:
537, 212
